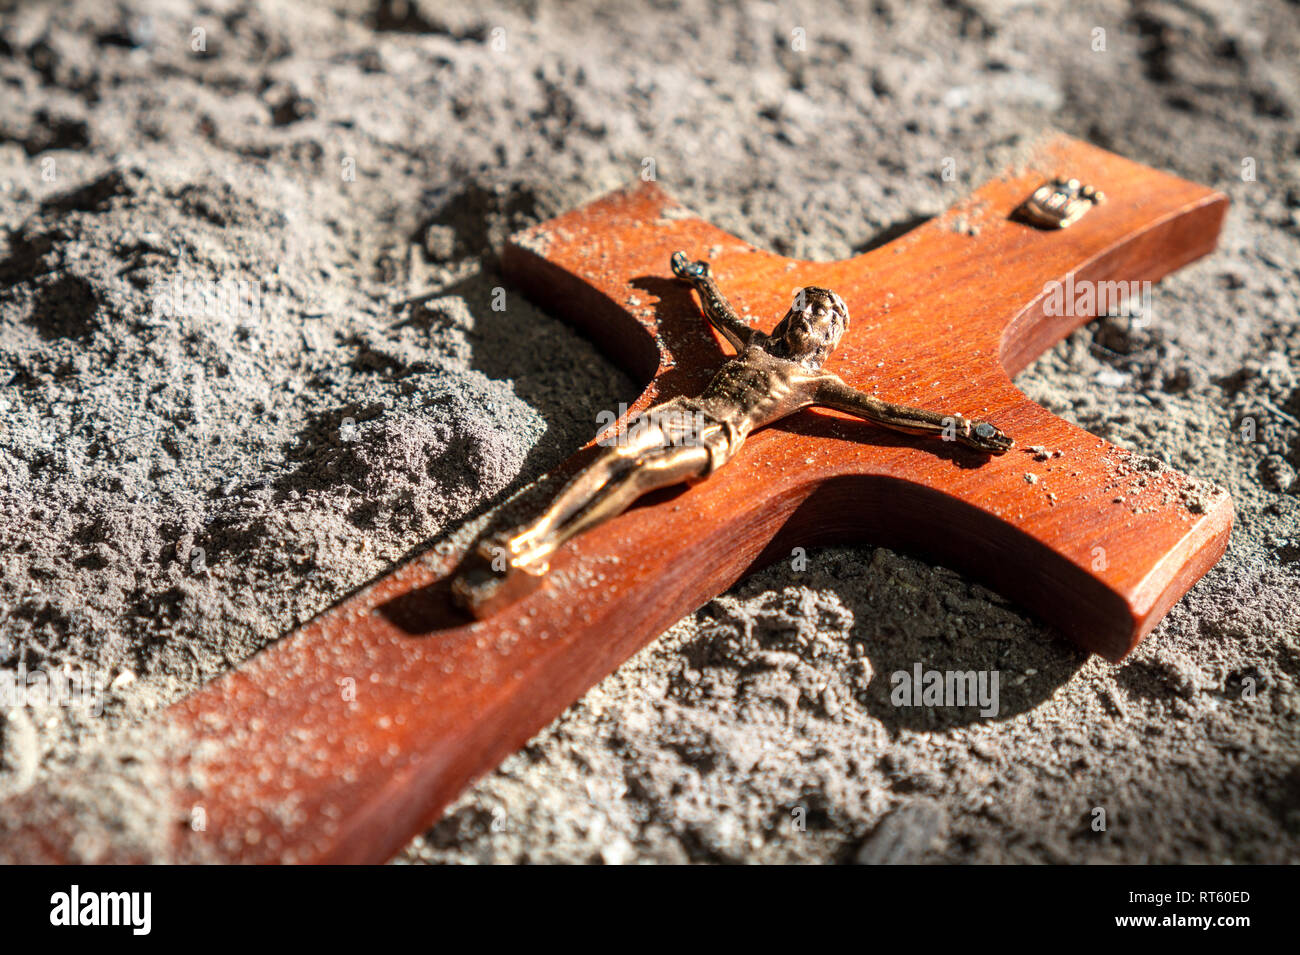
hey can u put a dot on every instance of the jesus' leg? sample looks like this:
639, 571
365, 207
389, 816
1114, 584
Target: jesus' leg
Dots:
659, 450
661, 427
573, 497
658, 468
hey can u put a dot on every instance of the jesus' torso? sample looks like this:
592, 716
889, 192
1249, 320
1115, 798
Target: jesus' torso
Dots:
756, 389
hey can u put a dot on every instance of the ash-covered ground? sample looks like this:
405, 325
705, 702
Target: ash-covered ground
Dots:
184, 478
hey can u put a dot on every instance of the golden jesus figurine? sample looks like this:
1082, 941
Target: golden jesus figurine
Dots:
686, 439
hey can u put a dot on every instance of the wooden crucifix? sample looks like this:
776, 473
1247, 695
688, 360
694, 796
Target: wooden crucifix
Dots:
345, 738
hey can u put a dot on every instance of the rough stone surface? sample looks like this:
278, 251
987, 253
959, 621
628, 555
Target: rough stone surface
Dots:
184, 476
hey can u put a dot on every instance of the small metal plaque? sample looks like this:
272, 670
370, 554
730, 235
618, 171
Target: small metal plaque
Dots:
1059, 203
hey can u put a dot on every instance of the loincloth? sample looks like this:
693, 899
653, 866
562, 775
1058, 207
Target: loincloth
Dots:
684, 425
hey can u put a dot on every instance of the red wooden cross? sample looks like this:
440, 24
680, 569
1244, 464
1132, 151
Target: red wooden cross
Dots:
346, 737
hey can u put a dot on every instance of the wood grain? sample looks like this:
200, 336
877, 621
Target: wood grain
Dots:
288, 768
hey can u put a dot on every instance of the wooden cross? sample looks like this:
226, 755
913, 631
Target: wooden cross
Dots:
348, 736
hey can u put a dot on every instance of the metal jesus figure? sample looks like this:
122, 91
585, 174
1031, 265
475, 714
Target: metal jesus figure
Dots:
686, 439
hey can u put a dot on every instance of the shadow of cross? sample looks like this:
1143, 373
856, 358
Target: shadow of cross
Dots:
345, 738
